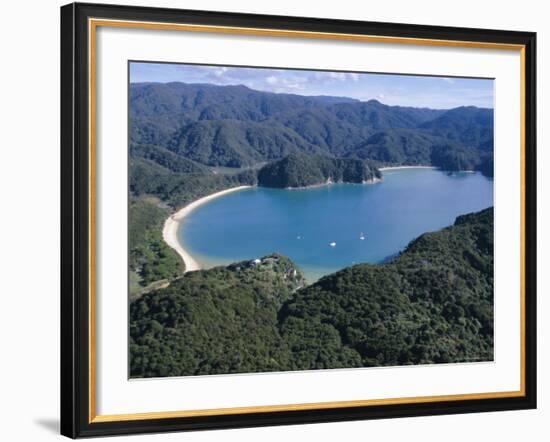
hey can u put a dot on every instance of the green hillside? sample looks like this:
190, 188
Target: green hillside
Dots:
299, 170
222, 320
234, 126
431, 304
150, 259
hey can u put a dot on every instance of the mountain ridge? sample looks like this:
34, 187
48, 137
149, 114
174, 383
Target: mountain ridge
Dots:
235, 126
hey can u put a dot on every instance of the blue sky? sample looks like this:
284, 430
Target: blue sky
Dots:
402, 90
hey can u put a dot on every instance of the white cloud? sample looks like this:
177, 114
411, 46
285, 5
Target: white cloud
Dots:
331, 77
435, 92
220, 71
337, 75
294, 85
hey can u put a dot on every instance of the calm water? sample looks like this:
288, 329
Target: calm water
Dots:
301, 224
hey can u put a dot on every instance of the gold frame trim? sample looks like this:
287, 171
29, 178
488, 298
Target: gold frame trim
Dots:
93, 24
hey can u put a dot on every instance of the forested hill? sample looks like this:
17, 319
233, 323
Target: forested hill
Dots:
234, 126
300, 170
222, 320
432, 304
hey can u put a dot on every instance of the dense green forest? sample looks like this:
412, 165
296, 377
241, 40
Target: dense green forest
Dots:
431, 304
222, 320
301, 170
179, 189
150, 259
234, 126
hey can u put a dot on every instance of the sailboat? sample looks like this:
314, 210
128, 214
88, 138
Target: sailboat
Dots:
361, 237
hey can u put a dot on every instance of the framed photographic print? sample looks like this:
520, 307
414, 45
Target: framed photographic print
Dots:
279, 220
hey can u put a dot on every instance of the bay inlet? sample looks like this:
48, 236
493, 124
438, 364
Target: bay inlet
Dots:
324, 229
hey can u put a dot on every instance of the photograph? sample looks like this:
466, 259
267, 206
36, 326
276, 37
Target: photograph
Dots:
274, 221
278, 220
294, 219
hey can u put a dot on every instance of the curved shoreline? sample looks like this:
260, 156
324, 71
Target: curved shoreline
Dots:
405, 167
170, 229
327, 183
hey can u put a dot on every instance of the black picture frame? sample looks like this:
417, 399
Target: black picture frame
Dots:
75, 221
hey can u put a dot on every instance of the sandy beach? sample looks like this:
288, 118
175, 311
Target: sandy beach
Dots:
170, 230
406, 167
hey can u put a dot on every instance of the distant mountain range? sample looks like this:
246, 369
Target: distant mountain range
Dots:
189, 126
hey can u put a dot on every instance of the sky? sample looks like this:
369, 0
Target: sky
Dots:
401, 90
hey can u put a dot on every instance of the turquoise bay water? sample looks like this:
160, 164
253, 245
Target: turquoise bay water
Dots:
302, 224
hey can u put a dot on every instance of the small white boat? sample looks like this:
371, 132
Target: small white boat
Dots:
332, 244
362, 237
